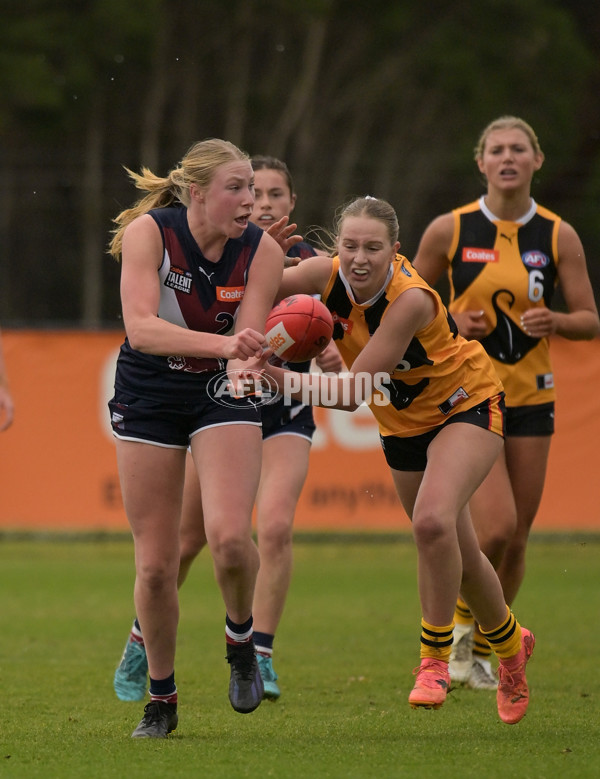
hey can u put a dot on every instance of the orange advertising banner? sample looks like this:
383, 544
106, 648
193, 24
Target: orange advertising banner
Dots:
58, 465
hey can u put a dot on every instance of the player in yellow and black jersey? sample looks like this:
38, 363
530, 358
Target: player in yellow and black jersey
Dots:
440, 409
504, 255
447, 374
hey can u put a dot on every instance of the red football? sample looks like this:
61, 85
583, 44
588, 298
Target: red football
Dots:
299, 328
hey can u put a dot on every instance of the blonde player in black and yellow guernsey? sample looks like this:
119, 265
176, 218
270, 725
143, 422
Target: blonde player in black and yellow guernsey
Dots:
440, 409
504, 255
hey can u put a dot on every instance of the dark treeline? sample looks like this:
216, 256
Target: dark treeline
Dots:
383, 98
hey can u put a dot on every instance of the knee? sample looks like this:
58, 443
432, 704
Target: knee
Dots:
496, 536
274, 533
156, 575
515, 551
495, 545
429, 528
229, 551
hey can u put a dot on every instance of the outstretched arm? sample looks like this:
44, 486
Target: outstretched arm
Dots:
411, 312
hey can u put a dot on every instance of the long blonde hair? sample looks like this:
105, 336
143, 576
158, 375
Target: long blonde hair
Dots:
198, 167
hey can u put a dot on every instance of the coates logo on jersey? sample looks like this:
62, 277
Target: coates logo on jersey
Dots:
471, 254
535, 260
345, 324
230, 294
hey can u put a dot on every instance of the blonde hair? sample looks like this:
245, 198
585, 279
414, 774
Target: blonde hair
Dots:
368, 206
197, 166
507, 123
374, 208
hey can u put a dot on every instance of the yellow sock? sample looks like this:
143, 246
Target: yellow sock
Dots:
481, 647
462, 613
505, 640
436, 642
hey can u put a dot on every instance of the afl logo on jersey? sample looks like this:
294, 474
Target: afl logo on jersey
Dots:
535, 260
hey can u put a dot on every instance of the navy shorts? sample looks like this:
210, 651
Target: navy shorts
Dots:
410, 453
172, 425
279, 419
530, 420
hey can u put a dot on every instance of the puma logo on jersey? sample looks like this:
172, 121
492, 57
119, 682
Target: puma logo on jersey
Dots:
206, 273
470, 254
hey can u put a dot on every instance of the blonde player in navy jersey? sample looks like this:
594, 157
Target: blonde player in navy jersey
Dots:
287, 432
504, 255
197, 282
440, 410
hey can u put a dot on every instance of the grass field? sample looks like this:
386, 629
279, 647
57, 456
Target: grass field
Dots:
344, 653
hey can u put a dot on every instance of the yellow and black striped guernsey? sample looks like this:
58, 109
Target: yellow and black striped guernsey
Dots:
504, 268
440, 374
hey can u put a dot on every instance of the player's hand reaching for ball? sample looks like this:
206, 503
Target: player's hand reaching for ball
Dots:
245, 344
330, 360
246, 375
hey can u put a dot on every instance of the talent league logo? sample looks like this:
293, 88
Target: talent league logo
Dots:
179, 279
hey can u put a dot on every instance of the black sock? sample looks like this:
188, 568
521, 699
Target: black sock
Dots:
163, 689
264, 642
236, 633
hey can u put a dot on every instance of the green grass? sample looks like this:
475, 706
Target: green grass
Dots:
344, 654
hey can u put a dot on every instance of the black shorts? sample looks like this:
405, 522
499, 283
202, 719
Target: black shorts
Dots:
410, 453
280, 419
530, 420
172, 425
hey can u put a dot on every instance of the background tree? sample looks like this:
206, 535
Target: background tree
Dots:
384, 98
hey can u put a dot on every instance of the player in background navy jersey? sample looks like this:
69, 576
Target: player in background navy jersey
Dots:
197, 282
504, 254
287, 435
